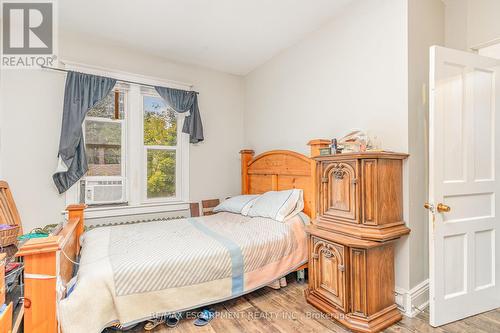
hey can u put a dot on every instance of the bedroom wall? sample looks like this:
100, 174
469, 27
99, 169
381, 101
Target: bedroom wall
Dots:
30, 120
425, 28
350, 74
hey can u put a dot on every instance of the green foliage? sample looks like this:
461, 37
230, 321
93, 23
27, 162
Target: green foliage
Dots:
161, 173
160, 129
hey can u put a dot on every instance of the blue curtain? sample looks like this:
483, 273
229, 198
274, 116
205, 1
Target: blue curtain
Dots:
82, 92
183, 101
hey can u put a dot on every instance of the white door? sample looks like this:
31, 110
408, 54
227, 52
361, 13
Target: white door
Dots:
464, 164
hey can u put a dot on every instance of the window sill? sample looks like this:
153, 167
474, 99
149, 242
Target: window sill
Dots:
130, 210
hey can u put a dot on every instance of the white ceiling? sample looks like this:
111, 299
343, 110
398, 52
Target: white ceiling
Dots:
233, 36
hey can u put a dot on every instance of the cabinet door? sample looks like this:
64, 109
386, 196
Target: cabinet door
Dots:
328, 272
339, 191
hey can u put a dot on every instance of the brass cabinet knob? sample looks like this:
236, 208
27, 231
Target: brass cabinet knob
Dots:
442, 208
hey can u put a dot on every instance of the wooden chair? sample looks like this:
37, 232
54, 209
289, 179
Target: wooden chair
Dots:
207, 207
194, 209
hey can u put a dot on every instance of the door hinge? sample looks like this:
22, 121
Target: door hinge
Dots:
324, 179
354, 181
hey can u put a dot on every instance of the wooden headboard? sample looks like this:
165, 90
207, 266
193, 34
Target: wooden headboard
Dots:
277, 170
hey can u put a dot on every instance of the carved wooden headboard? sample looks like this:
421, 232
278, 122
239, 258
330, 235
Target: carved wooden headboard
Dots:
277, 170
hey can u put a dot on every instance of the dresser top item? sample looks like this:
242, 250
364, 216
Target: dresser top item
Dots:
361, 155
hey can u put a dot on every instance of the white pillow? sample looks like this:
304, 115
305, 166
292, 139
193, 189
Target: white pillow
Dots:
278, 205
239, 204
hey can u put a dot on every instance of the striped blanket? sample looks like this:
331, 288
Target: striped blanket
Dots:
131, 273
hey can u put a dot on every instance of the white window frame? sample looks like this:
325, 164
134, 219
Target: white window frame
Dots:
137, 202
179, 149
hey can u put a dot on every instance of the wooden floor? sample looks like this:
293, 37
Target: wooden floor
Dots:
286, 310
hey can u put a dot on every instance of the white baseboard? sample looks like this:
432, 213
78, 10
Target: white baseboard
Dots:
412, 301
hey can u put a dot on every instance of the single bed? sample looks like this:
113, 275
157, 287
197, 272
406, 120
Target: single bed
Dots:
130, 273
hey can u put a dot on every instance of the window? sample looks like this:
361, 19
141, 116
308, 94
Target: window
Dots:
160, 145
135, 151
104, 136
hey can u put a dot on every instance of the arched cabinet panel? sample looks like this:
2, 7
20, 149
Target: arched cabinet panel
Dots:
339, 190
329, 265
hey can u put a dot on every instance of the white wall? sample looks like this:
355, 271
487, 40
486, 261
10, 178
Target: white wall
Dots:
425, 28
30, 120
351, 73
470, 23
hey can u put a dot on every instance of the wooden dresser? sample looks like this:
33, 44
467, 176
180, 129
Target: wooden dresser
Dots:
351, 242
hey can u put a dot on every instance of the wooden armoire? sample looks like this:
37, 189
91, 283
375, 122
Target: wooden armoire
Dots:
359, 214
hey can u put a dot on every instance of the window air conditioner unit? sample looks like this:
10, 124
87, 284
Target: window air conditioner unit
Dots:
105, 191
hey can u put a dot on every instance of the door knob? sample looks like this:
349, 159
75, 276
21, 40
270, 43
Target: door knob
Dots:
442, 208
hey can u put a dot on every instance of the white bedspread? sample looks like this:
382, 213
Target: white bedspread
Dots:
131, 273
